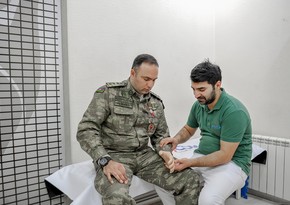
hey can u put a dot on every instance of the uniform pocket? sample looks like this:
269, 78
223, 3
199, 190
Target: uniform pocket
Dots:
123, 119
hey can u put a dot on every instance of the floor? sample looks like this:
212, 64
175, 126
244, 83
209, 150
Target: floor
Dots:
252, 200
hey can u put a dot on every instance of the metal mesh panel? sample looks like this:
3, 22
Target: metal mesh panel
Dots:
30, 107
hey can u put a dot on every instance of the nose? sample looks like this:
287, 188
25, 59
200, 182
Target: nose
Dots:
150, 84
196, 94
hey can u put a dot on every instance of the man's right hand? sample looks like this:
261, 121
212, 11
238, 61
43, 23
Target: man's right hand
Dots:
169, 140
117, 170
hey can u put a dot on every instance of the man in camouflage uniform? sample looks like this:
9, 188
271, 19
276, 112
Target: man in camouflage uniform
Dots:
122, 120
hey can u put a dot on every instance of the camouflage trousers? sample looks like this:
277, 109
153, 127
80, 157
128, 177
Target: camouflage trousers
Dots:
149, 166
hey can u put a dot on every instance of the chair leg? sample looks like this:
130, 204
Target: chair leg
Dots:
238, 194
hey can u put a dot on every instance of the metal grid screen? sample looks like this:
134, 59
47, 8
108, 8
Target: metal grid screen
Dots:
30, 107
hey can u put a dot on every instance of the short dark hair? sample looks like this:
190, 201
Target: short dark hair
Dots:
144, 58
206, 71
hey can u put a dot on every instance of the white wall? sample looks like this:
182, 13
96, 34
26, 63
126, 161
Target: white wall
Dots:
253, 49
248, 39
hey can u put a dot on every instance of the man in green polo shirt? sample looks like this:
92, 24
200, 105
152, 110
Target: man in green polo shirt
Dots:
224, 153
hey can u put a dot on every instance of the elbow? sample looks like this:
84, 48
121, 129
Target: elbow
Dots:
226, 158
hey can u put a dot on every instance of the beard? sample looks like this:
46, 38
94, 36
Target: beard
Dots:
205, 101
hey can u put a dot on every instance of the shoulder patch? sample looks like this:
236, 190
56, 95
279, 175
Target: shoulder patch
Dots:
155, 95
101, 89
158, 97
115, 84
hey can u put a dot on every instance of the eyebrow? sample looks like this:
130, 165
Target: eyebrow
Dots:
149, 77
199, 88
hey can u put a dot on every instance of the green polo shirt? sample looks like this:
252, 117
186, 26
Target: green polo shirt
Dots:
228, 121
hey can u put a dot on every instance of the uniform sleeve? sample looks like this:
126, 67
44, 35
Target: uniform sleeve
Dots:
161, 131
88, 133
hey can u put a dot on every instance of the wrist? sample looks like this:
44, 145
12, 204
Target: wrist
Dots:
104, 161
176, 139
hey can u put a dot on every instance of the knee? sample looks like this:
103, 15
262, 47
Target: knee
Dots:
108, 190
189, 188
117, 195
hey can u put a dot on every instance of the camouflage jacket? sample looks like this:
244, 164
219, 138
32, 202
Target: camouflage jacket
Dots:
118, 120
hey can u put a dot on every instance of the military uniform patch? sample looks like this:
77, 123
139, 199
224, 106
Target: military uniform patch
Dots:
157, 96
115, 84
101, 89
123, 102
151, 127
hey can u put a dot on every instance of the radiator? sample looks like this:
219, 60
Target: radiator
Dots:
272, 178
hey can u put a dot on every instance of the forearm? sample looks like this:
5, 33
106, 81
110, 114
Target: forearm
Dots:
184, 134
90, 141
210, 160
161, 132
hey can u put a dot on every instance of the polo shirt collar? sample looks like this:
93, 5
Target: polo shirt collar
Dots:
219, 103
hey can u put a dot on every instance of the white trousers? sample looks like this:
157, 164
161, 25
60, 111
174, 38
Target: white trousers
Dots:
219, 183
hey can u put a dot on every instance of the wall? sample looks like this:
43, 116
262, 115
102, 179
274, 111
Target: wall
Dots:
253, 48
105, 36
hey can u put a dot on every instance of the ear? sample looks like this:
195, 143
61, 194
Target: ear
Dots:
218, 84
132, 72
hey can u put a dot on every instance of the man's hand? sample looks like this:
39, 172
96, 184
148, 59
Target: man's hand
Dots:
168, 160
116, 170
181, 164
169, 140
